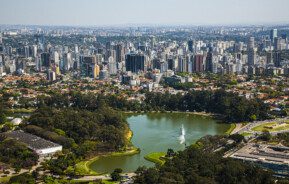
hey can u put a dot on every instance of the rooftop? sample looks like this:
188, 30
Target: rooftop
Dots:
33, 142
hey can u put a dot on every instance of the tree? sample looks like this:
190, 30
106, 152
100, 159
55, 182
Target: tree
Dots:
115, 175
170, 153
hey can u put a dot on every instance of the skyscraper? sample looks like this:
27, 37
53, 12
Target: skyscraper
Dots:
251, 52
209, 62
45, 59
191, 45
277, 59
273, 34
119, 53
135, 62
198, 63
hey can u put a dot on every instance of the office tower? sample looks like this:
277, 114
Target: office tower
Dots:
277, 43
198, 63
34, 50
112, 66
251, 43
119, 53
182, 64
56, 58
251, 52
67, 62
40, 41
135, 62
251, 57
269, 57
45, 59
277, 59
38, 63
239, 66
273, 34
209, 62
171, 64
191, 45
26, 51
98, 59
89, 68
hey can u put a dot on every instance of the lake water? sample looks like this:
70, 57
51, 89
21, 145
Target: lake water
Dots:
156, 132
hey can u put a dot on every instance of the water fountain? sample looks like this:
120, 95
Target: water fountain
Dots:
182, 136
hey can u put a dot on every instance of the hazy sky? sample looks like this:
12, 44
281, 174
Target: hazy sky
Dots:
115, 12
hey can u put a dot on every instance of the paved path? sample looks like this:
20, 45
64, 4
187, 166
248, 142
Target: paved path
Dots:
103, 177
249, 126
237, 128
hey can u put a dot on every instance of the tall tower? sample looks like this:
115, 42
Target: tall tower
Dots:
273, 34
251, 51
135, 62
119, 53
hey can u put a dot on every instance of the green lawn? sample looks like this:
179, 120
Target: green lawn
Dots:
156, 157
263, 127
4, 180
109, 182
246, 134
230, 130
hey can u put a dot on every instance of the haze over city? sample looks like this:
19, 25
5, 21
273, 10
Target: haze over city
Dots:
151, 12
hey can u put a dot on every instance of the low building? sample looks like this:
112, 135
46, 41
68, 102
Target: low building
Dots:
41, 146
274, 157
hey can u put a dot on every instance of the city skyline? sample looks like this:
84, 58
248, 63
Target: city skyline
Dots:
140, 12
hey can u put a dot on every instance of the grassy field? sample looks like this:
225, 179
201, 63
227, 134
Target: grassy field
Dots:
156, 157
263, 127
246, 134
4, 180
230, 130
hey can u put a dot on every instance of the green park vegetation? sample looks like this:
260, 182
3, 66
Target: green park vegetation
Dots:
156, 157
200, 164
230, 106
271, 127
231, 129
245, 134
17, 154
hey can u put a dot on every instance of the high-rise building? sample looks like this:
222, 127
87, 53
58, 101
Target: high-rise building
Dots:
251, 57
251, 43
277, 59
182, 64
209, 62
112, 66
198, 63
119, 53
191, 45
251, 52
67, 61
45, 59
277, 43
89, 68
135, 62
269, 58
273, 34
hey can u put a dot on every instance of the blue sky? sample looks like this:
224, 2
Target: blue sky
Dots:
117, 12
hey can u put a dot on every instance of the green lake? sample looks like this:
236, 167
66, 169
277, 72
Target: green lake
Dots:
156, 132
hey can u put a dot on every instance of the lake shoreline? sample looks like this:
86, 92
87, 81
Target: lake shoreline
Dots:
132, 150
